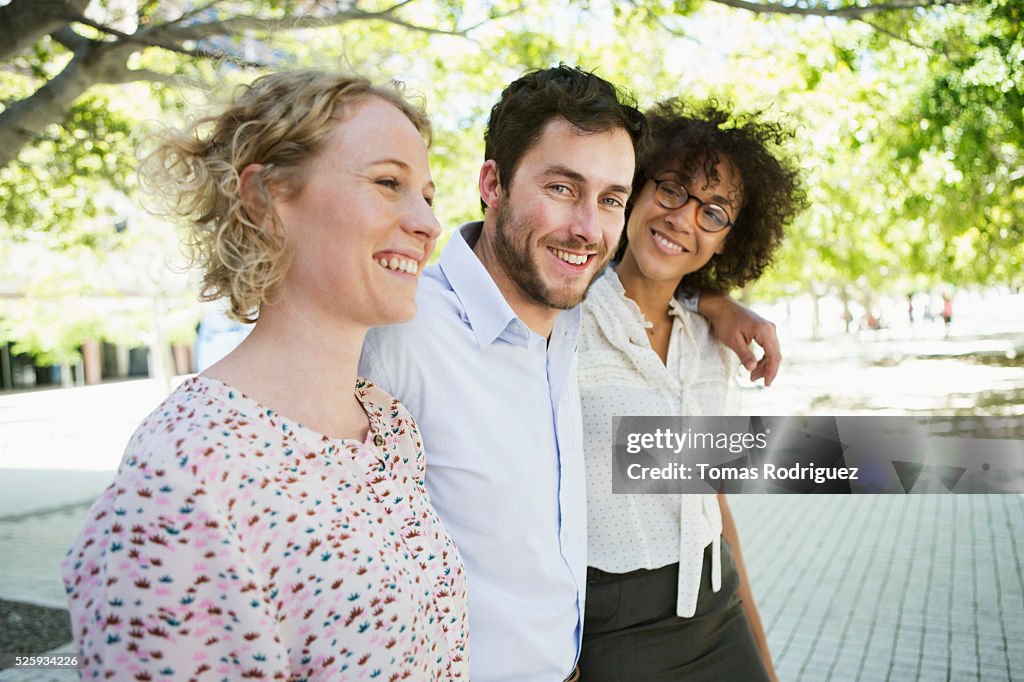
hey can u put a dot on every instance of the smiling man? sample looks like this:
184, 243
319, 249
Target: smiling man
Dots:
488, 366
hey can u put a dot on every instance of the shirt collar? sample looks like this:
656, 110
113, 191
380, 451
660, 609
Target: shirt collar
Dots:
611, 278
484, 307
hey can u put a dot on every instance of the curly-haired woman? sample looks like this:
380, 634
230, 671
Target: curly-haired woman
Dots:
667, 592
269, 520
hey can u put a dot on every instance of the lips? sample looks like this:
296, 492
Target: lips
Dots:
666, 244
572, 261
398, 262
572, 258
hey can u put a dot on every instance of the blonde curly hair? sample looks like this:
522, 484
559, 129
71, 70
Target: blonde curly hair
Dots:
280, 121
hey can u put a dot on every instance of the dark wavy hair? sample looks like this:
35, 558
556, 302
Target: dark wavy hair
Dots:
584, 99
698, 136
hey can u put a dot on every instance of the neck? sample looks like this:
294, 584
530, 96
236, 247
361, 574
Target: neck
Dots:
300, 365
653, 296
534, 314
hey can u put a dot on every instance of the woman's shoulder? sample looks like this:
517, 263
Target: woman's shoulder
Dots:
387, 410
201, 413
393, 422
606, 290
375, 398
609, 317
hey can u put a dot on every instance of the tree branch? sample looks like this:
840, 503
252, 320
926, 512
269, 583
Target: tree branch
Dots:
69, 39
850, 12
23, 22
135, 75
144, 40
241, 24
27, 118
895, 36
106, 61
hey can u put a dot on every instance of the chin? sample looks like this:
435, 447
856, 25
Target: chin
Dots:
568, 297
396, 313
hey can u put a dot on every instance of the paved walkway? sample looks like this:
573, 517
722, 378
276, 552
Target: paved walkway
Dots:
888, 587
920, 587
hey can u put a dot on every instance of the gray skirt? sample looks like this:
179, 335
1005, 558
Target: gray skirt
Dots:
631, 630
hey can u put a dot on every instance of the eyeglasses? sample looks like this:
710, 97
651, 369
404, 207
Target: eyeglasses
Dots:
671, 195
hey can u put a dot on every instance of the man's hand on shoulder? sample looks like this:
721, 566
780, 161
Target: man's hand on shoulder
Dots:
736, 327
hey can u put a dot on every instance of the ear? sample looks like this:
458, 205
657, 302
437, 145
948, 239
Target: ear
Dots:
490, 187
252, 189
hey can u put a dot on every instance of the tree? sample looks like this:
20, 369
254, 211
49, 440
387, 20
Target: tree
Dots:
102, 54
961, 142
858, 78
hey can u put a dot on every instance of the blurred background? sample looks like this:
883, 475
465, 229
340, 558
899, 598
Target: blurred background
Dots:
897, 292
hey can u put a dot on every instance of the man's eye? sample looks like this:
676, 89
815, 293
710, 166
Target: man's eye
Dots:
612, 201
560, 189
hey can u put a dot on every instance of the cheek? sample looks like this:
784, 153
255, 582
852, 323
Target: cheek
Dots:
634, 229
612, 229
720, 242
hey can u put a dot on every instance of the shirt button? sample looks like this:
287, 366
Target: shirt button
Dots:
378, 440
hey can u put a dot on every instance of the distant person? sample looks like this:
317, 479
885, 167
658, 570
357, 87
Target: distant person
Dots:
216, 336
668, 596
269, 520
947, 310
488, 365
929, 307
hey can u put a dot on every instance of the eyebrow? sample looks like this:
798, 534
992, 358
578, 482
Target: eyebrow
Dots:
397, 162
576, 176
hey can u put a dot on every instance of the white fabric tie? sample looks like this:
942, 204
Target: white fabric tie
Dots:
704, 510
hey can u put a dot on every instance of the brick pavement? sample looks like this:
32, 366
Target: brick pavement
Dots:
888, 587
917, 587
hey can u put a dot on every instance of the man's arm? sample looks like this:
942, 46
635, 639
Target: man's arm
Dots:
736, 327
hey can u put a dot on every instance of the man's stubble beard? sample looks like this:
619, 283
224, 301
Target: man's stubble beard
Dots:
517, 259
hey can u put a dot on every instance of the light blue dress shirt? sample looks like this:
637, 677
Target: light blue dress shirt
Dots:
498, 408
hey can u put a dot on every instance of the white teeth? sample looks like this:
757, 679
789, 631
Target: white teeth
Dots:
667, 244
399, 264
572, 258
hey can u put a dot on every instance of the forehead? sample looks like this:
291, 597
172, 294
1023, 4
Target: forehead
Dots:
374, 129
603, 158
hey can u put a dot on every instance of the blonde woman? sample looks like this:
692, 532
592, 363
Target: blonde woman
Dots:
269, 520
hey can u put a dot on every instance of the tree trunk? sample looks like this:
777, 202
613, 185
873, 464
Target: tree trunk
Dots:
25, 119
844, 296
92, 361
815, 315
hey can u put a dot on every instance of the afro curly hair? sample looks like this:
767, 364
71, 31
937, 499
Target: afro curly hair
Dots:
691, 137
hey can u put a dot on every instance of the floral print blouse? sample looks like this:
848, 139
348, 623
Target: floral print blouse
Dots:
236, 544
